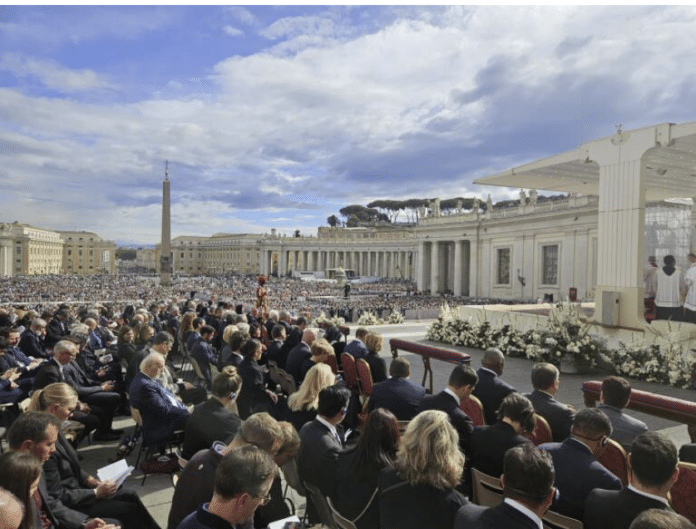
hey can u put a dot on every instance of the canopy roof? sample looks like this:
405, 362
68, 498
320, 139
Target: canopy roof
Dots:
670, 166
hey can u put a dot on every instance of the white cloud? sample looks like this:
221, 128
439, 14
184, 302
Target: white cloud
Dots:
52, 74
241, 14
232, 31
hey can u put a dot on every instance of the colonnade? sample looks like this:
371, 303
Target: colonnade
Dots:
446, 266
382, 263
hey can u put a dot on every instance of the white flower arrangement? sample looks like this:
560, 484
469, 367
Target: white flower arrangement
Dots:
664, 361
369, 318
395, 317
325, 321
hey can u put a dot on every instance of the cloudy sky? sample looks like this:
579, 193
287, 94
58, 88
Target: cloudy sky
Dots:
277, 117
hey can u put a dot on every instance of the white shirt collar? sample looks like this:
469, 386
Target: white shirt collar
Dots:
648, 495
450, 392
524, 510
330, 426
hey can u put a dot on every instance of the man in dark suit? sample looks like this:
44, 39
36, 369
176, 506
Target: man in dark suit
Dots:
320, 442
545, 380
528, 491
491, 389
616, 392
57, 328
31, 342
397, 394
489, 443
78, 490
462, 382
357, 347
15, 358
36, 433
203, 353
298, 355
162, 413
577, 470
275, 348
653, 467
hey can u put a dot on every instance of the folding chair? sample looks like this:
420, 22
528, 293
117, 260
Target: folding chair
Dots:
542, 431
684, 491
558, 521
147, 446
474, 409
487, 490
364, 378
615, 459
349, 372
321, 505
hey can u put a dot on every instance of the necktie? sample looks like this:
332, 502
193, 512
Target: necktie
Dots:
45, 522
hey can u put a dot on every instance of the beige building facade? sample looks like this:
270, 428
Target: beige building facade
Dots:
85, 253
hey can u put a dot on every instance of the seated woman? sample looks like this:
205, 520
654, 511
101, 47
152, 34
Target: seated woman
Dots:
233, 339
320, 350
378, 367
357, 470
76, 489
214, 419
303, 404
254, 396
489, 443
420, 491
333, 336
19, 474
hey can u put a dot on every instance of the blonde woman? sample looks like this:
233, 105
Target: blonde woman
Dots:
419, 491
378, 367
67, 482
304, 402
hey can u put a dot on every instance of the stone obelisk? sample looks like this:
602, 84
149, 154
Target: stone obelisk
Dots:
165, 246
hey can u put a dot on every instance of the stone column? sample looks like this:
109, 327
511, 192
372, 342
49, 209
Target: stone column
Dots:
165, 245
458, 268
435, 268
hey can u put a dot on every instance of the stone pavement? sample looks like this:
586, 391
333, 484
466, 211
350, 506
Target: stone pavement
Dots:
158, 490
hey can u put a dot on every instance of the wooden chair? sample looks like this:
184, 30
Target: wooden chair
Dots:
684, 491
487, 490
148, 447
350, 373
322, 506
331, 362
558, 521
474, 409
542, 431
364, 378
615, 459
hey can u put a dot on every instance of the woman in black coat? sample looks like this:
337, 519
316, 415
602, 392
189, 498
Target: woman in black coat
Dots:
254, 396
378, 367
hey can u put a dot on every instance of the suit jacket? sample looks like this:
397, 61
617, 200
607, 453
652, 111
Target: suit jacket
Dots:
64, 476
405, 506
356, 348
48, 373
503, 516
462, 423
491, 390
253, 392
489, 444
577, 474
273, 353
559, 416
162, 414
296, 356
210, 421
60, 515
318, 456
76, 377
378, 367
32, 345
624, 428
398, 395
617, 508
203, 352
56, 330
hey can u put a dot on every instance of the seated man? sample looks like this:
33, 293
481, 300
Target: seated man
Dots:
653, 470
527, 488
489, 443
15, 358
320, 442
462, 382
196, 483
491, 389
242, 483
616, 392
31, 341
36, 433
203, 353
545, 380
577, 470
356, 347
397, 394
299, 354
162, 413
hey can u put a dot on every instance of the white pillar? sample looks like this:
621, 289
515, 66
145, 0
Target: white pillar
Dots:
435, 268
457, 289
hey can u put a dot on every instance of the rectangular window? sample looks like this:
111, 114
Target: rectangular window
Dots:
549, 264
503, 277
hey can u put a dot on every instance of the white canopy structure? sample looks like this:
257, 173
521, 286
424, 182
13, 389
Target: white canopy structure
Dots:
625, 170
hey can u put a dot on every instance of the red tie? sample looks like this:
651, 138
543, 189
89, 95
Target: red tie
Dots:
45, 522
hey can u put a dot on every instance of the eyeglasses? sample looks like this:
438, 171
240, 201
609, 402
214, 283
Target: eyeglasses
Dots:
264, 499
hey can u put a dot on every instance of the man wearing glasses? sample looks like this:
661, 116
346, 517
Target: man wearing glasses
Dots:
242, 483
576, 465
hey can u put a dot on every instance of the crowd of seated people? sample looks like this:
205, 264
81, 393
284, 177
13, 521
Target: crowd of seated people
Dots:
376, 477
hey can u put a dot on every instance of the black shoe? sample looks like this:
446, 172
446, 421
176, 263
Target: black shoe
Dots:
106, 436
119, 432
